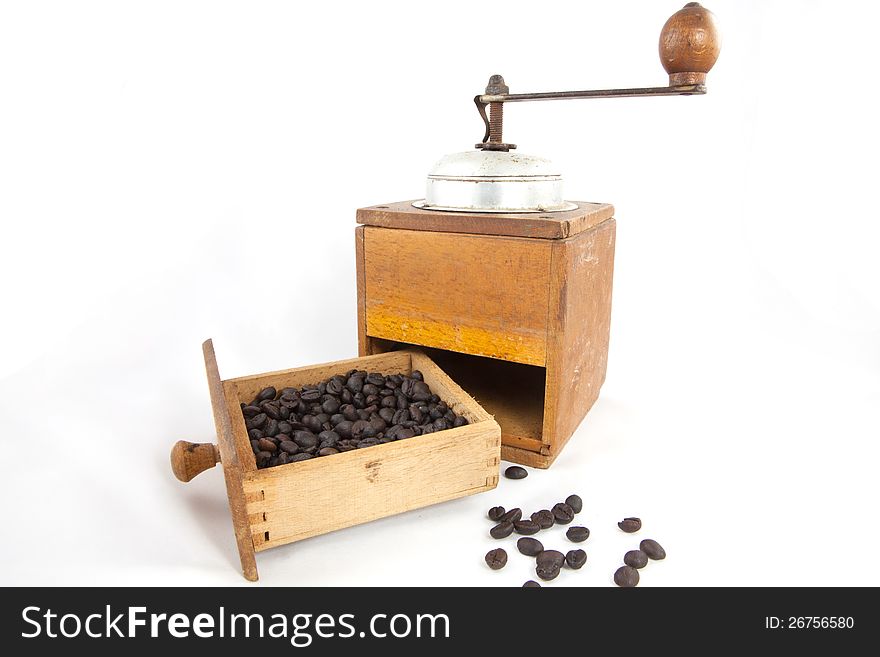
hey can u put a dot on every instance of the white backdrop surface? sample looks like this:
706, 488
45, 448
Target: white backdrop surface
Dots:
173, 171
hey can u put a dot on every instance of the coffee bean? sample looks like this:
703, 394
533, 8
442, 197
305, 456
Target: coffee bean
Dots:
531, 547
460, 421
257, 421
267, 393
626, 577
577, 534
255, 434
636, 559
376, 379
526, 527
272, 409
250, 411
630, 525
547, 571
653, 549
502, 530
328, 438
305, 439
327, 451
417, 375
496, 512
289, 446
266, 445
531, 584
550, 558
311, 395
544, 518
576, 559
575, 502
302, 456
496, 559
562, 513
516, 472
512, 516
271, 427
421, 391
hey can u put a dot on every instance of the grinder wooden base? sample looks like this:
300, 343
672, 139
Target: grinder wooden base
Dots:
516, 308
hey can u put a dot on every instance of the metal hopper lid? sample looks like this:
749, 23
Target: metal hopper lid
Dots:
494, 181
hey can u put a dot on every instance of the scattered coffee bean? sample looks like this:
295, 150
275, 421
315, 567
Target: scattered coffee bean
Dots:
496, 559
550, 558
348, 411
636, 559
653, 549
531, 584
576, 559
577, 534
496, 512
630, 525
511, 516
562, 513
502, 529
544, 518
516, 472
526, 527
575, 502
547, 572
531, 547
626, 577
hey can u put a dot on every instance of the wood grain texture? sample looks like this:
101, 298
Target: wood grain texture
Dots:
298, 500
482, 295
232, 469
512, 392
189, 460
247, 387
528, 457
361, 287
689, 45
580, 321
550, 225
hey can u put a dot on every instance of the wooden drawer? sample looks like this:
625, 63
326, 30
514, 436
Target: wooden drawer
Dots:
286, 503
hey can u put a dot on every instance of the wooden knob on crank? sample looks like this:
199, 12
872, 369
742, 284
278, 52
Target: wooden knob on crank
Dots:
689, 45
189, 459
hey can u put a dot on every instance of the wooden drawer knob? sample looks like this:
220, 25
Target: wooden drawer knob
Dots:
189, 459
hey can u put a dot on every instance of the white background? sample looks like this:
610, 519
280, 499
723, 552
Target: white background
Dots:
173, 171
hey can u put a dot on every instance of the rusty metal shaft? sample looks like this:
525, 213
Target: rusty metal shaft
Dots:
496, 122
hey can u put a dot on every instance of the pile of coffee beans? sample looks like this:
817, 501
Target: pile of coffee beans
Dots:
548, 563
349, 411
627, 575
